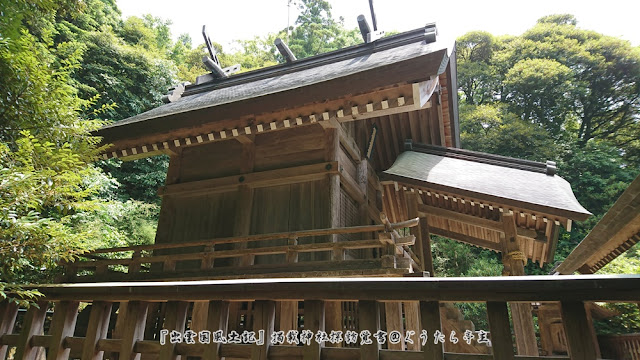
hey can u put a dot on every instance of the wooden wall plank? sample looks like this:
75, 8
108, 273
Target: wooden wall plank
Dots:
412, 320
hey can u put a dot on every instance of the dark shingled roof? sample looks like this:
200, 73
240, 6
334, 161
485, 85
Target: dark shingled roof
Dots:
505, 180
297, 74
613, 235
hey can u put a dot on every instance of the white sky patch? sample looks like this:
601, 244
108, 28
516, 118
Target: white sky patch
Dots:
245, 19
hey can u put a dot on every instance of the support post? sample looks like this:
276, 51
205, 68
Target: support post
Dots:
393, 317
369, 319
430, 318
175, 319
314, 321
97, 330
264, 318
576, 327
8, 314
412, 319
421, 232
513, 259
217, 319
33, 325
62, 325
133, 329
500, 330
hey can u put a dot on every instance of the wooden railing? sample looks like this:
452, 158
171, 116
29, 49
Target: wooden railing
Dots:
124, 334
198, 259
625, 347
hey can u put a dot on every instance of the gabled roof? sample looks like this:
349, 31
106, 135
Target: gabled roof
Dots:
615, 233
513, 182
402, 58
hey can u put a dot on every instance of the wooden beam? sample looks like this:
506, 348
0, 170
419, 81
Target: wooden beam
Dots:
430, 318
471, 240
257, 179
500, 330
62, 325
96, 330
472, 220
576, 327
333, 319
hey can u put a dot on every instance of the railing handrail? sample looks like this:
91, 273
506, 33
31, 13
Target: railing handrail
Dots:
262, 237
466, 289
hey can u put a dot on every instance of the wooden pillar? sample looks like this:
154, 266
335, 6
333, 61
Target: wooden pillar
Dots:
393, 317
500, 331
333, 318
430, 318
96, 330
33, 325
412, 318
421, 232
199, 316
314, 321
288, 316
514, 260
175, 319
592, 330
576, 327
133, 329
263, 319
8, 314
369, 319
62, 325
217, 319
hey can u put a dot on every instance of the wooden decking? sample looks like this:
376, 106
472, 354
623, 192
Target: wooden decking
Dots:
135, 328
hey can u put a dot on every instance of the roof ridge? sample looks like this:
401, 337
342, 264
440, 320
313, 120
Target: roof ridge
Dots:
405, 38
548, 168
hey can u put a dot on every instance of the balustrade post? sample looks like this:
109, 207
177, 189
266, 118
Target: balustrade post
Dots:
96, 330
33, 325
62, 325
8, 314
500, 330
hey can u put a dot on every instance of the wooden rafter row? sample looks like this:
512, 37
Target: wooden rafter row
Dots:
481, 204
356, 112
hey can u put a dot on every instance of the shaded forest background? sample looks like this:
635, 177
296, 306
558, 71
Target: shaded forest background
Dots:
556, 92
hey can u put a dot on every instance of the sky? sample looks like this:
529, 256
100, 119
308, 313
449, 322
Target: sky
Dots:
244, 19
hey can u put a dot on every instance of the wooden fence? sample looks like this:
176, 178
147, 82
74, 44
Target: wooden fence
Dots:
198, 259
624, 347
123, 334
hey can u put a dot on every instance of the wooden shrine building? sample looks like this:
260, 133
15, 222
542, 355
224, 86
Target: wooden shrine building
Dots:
303, 196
